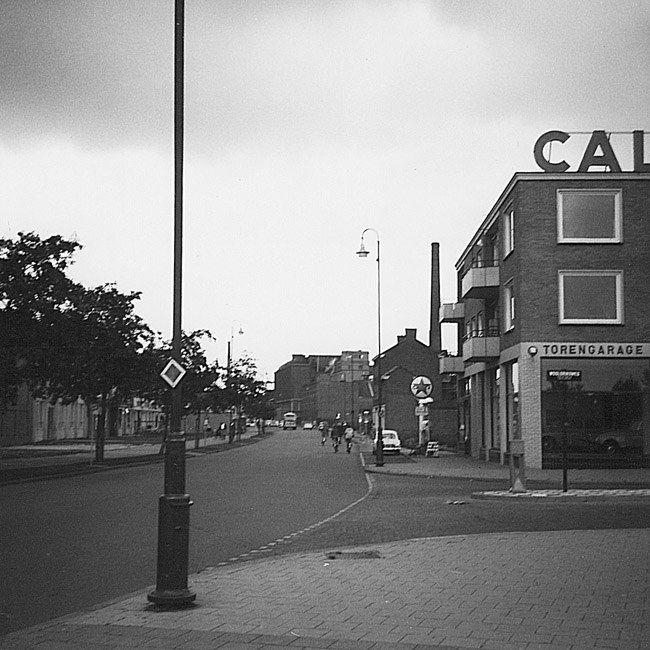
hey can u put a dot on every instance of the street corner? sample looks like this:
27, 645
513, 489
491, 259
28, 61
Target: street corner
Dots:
570, 496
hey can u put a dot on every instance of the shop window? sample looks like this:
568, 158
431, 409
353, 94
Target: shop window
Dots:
589, 216
508, 232
509, 306
604, 410
512, 401
591, 297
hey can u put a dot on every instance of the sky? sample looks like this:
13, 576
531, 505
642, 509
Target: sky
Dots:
305, 123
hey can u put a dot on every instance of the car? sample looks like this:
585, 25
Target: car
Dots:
392, 443
615, 442
308, 425
582, 441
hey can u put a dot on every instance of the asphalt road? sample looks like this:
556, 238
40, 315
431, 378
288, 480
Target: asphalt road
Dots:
72, 543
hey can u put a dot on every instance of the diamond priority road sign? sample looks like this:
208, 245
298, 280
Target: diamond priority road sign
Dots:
173, 372
421, 387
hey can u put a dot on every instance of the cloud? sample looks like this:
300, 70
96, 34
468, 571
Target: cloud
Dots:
296, 74
92, 72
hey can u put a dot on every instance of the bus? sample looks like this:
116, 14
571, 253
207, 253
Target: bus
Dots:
290, 420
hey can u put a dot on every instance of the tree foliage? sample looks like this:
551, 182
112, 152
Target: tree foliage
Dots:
66, 341
36, 298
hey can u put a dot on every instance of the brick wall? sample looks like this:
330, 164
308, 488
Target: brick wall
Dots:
537, 258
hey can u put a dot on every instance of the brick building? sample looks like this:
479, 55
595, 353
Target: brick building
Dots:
400, 364
341, 391
292, 377
553, 313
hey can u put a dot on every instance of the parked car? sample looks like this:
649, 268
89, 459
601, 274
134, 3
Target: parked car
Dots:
614, 442
308, 425
577, 440
392, 443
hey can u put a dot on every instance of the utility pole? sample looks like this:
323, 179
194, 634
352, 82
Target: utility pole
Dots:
174, 505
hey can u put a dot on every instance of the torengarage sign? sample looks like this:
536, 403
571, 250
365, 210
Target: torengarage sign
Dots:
599, 152
594, 350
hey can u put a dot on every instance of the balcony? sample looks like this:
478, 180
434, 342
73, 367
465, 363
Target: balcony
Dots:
481, 281
453, 312
481, 346
452, 366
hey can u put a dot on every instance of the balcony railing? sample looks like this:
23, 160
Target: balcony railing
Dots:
481, 345
481, 281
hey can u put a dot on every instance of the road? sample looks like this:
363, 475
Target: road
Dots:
71, 543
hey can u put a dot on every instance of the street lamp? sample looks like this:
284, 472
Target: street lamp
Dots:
362, 252
174, 505
228, 370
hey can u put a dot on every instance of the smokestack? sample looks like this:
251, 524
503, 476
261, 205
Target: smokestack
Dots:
434, 323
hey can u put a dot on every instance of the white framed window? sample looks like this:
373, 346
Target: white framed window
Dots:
508, 306
589, 216
591, 297
508, 232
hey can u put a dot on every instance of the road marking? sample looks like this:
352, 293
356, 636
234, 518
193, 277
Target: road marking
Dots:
287, 538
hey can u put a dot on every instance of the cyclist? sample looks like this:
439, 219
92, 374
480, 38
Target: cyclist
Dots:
324, 432
348, 435
337, 434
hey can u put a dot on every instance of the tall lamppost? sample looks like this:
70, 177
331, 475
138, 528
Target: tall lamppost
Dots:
228, 370
362, 252
174, 505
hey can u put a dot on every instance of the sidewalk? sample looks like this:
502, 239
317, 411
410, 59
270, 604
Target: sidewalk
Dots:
500, 591
70, 458
592, 484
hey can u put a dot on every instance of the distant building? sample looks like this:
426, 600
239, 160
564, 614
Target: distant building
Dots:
32, 419
400, 365
292, 377
411, 358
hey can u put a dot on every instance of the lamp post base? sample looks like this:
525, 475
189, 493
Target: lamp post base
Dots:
172, 598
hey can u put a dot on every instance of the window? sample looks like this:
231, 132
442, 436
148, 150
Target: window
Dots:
508, 232
589, 216
591, 297
512, 401
509, 306
604, 410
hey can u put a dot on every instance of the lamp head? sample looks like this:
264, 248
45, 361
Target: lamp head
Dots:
362, 252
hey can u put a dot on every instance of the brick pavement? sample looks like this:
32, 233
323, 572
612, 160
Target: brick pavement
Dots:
524, 591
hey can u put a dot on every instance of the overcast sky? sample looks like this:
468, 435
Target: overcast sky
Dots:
306, 122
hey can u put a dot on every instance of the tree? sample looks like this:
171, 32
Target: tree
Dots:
35, 298
62, 340
198, 385
107, 340
243, 388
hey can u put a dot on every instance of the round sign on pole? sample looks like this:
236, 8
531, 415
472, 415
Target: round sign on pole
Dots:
421, 387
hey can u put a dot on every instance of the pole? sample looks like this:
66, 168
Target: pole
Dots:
380, 437
565, 440
174, 505
230, 434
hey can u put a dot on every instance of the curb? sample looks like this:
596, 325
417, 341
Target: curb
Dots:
559, 496
49, 472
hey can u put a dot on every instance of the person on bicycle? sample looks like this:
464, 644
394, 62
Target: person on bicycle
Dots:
348, 434
337, 433
324, 432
